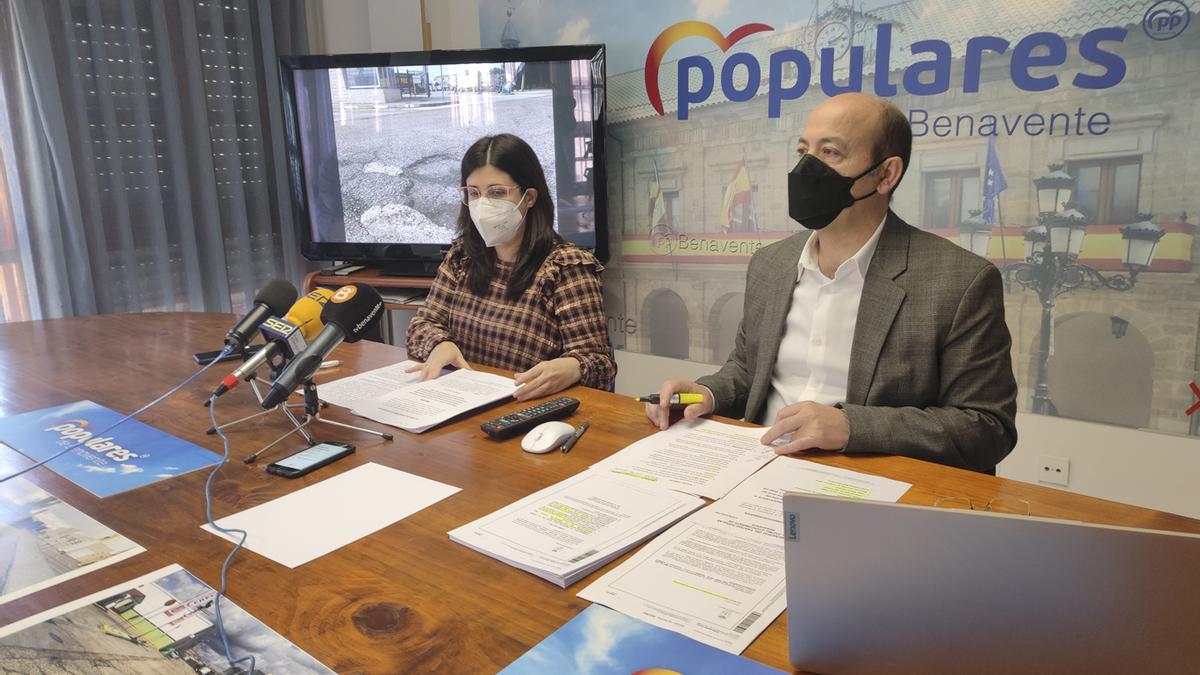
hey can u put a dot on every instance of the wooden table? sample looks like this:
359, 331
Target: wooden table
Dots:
405, 598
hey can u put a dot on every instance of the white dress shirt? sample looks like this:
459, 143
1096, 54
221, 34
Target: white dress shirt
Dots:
814, 355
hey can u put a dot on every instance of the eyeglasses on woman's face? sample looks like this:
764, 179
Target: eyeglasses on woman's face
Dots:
507, 192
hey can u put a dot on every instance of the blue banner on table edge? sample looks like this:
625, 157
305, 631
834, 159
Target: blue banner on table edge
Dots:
129, 456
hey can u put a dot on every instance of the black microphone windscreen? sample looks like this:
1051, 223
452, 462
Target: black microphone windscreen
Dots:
355, 308
278, 294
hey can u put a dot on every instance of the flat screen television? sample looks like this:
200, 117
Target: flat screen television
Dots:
374, 144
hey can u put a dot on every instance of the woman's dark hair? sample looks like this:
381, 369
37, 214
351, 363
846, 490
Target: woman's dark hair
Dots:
514, 157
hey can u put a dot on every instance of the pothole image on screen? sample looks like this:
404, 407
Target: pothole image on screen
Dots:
399, 166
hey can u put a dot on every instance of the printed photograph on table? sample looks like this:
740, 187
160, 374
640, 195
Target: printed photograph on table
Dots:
130, 456
1050, 137
160, 623
599, 641
44, 541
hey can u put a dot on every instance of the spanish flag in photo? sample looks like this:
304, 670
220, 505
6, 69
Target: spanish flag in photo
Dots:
737, 193
658, 209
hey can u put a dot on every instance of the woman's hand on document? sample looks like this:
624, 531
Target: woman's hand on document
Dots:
548, 377
444, 354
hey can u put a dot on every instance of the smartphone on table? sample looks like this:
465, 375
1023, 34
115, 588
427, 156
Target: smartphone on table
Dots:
310, 459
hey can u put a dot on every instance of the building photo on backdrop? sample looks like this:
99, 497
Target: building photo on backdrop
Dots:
1048, 137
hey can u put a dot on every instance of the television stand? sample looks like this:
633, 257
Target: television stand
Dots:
409, 268
399, 293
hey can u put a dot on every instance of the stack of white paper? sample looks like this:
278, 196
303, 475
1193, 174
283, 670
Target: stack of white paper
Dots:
699, 457
392, 396
718, 576
568, 530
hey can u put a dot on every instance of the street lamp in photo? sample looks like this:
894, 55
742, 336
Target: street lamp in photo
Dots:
1035, 239
1119, 326
1052, 268
1054, 189
1141, 240
1066, 228
975, 234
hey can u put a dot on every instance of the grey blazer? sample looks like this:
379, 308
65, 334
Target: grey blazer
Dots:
930, 368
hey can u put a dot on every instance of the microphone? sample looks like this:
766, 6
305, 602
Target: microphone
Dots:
272, 299
351, 312
285, 336
306, 313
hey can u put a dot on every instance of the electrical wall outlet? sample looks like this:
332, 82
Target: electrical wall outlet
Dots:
1053, 469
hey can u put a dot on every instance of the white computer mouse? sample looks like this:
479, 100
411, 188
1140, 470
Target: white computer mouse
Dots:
546, 437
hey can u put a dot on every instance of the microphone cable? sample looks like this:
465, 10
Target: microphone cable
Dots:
225, 352
212, 415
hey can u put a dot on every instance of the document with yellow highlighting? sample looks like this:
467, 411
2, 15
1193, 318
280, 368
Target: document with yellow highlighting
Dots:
568, 530
699, 457
718, 576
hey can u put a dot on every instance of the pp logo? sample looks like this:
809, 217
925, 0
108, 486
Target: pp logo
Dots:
1166, 19
662, 240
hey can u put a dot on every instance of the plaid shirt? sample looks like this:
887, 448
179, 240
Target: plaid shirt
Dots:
560, 314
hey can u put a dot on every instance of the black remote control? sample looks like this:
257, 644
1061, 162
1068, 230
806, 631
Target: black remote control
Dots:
523, 420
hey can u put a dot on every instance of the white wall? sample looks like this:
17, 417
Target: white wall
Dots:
453, 24
354, 26
1155, 470
639, 374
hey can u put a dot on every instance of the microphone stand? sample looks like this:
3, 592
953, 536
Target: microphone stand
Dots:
253, 385
254, 382
312, 413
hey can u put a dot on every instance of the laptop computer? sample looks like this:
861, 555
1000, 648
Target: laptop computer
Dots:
895, 588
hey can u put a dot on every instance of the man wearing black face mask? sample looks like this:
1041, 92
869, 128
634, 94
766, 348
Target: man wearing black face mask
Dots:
861, 333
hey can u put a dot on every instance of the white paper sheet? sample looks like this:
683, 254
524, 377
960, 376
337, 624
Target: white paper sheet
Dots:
348, 392
718, 576
420, 406
569, 529
321, 518
837, 482
700, 457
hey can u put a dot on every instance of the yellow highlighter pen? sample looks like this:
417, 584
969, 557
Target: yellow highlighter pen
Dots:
676, 399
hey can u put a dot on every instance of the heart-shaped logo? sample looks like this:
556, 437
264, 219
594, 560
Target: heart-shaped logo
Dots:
685, 29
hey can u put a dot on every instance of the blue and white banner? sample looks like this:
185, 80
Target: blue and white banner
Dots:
1097, 98
129, 456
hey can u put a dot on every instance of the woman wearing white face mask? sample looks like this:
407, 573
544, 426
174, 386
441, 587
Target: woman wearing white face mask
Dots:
511, 293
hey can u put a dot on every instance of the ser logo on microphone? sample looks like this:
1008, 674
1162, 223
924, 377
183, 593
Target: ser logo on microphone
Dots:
275, 328
283, 328
320, 296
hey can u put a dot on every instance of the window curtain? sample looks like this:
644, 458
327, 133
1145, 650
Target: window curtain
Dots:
143, 167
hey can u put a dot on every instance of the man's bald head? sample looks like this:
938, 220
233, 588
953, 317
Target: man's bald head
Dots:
883, 126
